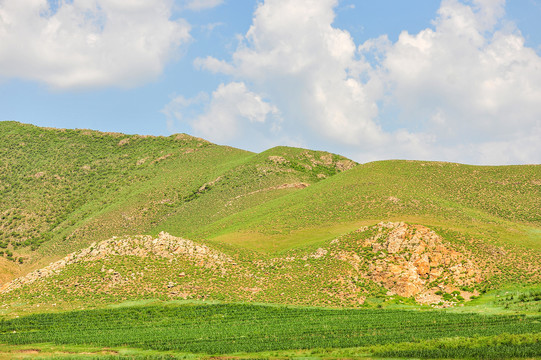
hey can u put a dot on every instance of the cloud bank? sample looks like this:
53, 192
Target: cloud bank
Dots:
464, 89
88, 43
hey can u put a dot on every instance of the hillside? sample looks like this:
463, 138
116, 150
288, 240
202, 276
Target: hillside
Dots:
390, 258
497, 203
63, 189
288, 225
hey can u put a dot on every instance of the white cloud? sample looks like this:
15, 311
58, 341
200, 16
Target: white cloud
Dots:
197, 5
465, 89
309, 69
470, 81
88, 43
230, 111
214, 65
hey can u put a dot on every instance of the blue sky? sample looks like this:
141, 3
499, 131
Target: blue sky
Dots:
454, 80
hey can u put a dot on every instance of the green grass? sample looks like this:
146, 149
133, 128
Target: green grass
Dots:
63, 189
231, 329
500, 204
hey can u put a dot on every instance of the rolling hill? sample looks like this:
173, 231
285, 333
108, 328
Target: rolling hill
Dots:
130, 217
63, 189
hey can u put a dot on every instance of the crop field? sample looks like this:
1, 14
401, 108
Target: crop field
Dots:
237, 328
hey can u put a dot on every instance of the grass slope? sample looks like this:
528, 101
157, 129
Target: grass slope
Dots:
500, 204
277, 227
63, 189
391, 263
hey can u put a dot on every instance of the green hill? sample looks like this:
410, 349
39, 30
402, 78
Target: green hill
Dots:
63, 190
501, 204
148, 231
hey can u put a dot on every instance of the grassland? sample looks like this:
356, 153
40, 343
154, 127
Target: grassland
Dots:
288, 226
250, 329
501, 204
63, 189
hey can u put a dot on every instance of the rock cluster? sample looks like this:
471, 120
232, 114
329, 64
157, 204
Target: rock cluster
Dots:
413, 261
164, 245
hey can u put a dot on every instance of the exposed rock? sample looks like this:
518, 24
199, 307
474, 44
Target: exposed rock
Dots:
326, 159
411, 258
278, 159
319, 253
344, 165
164, 245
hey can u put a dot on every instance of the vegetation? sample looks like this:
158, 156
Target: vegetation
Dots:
62, 189
475, 201
287, 226
236, 328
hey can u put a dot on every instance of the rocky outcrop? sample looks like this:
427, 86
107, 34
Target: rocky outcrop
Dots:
164, 245
413, 261
394, 258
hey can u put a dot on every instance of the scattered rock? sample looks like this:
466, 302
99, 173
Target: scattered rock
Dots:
164, 245
278, 160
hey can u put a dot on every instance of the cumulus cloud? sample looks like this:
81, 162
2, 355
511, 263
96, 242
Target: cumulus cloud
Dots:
464, 89
231, 111
470, 81
308, 68
88, 43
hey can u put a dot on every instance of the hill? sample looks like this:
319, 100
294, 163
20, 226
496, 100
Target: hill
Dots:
63, 189
287, 225
152, 247
497, 203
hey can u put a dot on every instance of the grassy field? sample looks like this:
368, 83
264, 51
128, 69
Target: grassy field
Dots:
250, 329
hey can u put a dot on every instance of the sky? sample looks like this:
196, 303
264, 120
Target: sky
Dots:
455, 80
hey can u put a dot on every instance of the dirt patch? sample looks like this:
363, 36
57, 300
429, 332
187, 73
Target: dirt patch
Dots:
299, 185
29, 351
124, 142
161, 158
